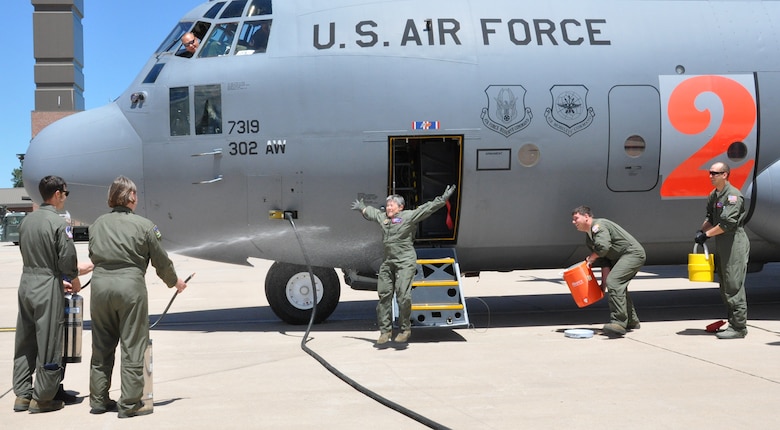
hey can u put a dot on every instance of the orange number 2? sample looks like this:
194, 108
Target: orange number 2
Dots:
690, 179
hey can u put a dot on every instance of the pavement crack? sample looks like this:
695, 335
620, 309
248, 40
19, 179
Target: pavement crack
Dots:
706, 361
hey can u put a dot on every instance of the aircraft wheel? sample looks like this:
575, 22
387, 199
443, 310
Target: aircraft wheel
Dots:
288, 290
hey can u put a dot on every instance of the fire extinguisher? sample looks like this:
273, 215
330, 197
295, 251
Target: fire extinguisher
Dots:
74, 322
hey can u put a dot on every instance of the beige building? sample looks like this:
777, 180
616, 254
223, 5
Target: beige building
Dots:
16, 200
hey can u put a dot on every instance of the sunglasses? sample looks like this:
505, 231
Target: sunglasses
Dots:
66, 192
712, 173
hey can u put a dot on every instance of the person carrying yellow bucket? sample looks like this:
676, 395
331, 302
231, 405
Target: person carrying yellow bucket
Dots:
701, 267
624, 256
725, 219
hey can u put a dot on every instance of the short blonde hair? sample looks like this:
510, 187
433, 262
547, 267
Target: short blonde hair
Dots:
121, 192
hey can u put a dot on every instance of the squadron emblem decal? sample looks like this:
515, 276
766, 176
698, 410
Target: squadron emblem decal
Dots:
569, 112
503, 114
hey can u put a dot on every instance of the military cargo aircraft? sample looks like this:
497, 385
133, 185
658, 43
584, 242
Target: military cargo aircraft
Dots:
297, 108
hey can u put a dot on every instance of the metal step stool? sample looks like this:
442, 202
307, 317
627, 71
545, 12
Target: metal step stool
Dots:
437, 300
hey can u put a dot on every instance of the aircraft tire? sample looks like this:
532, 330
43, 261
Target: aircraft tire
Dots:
287, 288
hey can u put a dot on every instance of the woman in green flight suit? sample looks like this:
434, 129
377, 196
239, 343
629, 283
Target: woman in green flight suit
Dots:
121, 245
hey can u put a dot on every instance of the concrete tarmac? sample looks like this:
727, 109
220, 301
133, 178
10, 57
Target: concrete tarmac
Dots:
223, 360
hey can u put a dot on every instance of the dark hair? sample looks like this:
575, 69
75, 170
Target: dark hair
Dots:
582, 210
50, 185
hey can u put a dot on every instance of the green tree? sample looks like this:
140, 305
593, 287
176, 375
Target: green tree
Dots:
17, 178
17, 173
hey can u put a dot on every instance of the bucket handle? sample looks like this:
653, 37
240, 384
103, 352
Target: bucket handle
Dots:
706, 251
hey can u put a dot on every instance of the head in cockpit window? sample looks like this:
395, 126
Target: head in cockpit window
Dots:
190, 43
259, 40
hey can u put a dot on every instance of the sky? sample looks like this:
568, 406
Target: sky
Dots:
119, 37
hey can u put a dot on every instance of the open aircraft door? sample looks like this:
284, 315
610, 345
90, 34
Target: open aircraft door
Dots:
419, 170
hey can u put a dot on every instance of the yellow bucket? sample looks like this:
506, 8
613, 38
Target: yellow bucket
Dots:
701, 267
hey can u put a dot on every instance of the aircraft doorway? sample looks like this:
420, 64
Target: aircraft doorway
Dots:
420, 169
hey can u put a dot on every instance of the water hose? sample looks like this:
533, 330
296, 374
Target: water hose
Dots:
169, 303
390, 404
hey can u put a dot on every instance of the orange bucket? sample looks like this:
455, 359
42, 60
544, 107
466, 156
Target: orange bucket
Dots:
583, 285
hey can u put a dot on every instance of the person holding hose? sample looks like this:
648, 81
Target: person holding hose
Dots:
725, 220
400, 263
121, 245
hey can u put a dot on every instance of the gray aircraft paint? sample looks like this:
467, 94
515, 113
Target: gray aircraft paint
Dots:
307, 126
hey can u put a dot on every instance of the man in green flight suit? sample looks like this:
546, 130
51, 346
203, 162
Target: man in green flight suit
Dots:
50, 269
624, 257
725, 218
400, 264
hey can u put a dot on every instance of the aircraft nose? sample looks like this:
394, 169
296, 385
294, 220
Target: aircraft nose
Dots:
88, 149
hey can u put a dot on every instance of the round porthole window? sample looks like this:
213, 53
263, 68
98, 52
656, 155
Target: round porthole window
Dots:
528, 155
737, 151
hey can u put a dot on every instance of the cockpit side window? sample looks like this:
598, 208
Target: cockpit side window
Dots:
179, 113
151, 77
253, 38
259, 7
199, 31
220, 40
234, 9
173, 37
208, 109
214, 10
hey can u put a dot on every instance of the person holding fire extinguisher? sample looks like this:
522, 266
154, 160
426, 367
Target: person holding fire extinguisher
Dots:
50, 268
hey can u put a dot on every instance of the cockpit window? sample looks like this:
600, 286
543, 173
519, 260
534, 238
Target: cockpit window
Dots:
151, 77
253, 38
214, 10
179, 114
208, 109
199, 31
259, 7
234, 9
173, 37
220, 40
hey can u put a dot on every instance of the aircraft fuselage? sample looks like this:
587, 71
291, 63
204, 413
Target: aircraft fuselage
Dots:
542, 107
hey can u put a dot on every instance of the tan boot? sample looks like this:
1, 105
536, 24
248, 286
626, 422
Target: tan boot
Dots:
38, 406
403, 337
614, 329
383, 338
21, 404
136, 411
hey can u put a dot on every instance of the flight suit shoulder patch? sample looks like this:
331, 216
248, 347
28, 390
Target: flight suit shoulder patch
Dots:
733, 200
594, 228
157, 233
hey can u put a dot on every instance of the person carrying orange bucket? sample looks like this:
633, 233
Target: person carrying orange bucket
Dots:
621, 256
